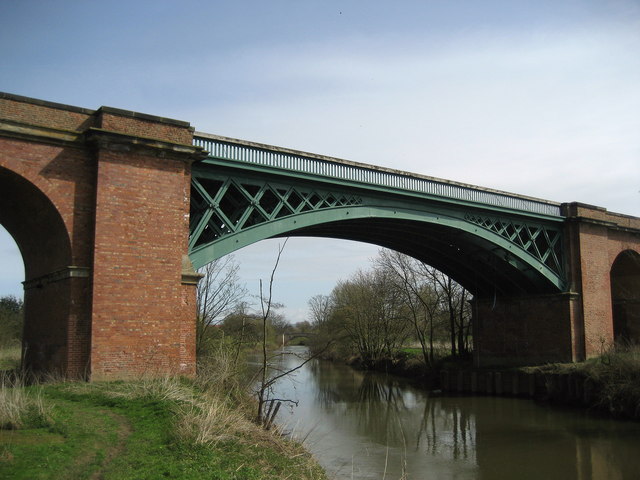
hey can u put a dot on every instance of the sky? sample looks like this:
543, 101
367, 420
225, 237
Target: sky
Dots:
540, 98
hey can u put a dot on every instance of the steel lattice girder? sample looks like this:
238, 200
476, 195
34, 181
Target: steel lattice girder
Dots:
235, 207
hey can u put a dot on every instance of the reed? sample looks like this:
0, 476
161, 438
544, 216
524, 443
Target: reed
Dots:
21, 406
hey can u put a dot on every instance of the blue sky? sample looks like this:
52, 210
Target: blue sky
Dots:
540, 98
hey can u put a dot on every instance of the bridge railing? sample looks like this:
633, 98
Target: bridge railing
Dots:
292, 160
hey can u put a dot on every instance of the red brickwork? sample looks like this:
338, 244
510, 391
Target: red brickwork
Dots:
572, 326
30, 111
47, 197
524, 330
98, 203
141, 234
144, 125
625, 296
599, 237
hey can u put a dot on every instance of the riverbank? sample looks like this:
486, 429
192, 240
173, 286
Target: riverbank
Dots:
407, 363
608, 384
144, 429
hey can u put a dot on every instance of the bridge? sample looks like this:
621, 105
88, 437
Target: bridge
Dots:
113, 209
288, 336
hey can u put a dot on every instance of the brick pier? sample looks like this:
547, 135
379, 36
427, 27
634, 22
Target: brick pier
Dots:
98, 203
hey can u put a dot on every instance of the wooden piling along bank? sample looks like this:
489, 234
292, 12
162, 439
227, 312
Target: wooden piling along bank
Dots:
564, 388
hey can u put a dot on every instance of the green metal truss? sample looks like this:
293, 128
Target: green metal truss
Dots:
543, 242
222, 206
233, 206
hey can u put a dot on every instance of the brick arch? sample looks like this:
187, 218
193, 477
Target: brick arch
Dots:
40, 233
35, 224
625, 296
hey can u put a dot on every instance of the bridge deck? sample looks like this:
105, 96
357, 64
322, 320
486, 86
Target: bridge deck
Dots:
318, 165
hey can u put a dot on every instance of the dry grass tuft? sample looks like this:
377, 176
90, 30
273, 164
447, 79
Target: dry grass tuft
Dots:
211, 422
21, 407
221, 370
167, 388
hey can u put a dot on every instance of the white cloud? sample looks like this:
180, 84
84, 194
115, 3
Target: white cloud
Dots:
544, 115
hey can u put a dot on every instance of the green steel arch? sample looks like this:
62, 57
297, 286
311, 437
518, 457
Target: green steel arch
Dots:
488, 241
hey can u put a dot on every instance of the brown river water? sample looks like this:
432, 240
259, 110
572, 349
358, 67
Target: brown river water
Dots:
364, 425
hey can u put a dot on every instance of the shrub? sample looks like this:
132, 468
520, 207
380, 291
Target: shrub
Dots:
617, 377
11, 319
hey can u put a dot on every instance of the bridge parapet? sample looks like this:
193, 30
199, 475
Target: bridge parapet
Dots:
591, 213
308, 164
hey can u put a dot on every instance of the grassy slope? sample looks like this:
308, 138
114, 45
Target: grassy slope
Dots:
105, 431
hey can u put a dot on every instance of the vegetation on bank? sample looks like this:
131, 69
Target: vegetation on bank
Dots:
614, 378
399, 302
143, 429
163, 427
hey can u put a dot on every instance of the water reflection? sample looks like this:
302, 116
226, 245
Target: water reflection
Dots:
364, 425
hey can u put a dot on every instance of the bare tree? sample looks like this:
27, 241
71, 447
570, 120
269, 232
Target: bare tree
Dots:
266, 304
270, 375
320, 307
219, 293
421, 298
455, 300
434, 295
371, 315
372, 312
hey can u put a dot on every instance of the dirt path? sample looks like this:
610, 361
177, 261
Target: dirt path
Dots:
124, 430
103, 448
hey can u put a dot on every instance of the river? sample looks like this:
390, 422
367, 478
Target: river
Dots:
366, 425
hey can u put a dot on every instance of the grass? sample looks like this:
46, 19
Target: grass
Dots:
145, 429
412, 351
10, 356
440, 350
